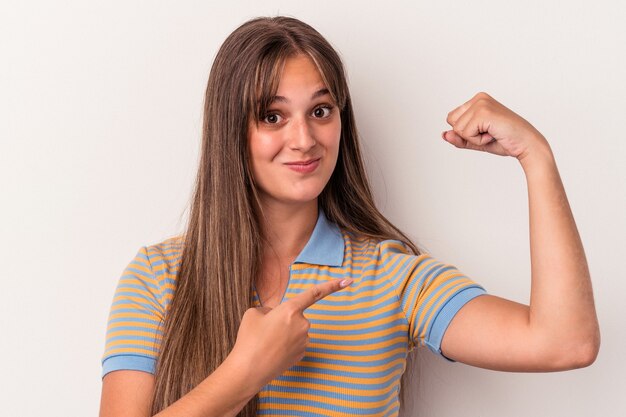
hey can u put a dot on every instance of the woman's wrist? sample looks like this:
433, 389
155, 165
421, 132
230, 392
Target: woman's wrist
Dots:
240, 369
538, 157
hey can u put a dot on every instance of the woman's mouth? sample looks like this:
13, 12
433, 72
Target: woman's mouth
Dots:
304, 167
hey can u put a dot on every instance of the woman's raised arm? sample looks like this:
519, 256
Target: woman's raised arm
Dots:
559, 329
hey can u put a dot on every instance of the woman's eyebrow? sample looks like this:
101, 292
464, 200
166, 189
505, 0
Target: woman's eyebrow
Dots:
318, 93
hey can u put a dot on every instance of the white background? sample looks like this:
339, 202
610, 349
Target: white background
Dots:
100, 118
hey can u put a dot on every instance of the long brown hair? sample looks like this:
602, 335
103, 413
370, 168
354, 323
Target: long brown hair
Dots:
223, 243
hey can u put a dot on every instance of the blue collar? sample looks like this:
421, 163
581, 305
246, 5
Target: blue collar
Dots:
325, 246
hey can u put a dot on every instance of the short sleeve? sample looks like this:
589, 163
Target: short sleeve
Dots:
430, 294
133, 332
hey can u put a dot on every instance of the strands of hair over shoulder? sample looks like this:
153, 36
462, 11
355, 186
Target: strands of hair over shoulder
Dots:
222, 244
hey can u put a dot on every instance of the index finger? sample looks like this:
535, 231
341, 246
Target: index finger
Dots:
317, 292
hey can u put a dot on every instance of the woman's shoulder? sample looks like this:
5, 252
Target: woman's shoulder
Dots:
374, 246
165, 256
166, 248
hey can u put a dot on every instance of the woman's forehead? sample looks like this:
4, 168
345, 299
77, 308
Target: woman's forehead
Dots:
270, 81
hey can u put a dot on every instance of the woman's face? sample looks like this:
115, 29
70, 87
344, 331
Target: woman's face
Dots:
294, 149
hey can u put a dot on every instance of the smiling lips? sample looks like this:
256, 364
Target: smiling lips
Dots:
304, 167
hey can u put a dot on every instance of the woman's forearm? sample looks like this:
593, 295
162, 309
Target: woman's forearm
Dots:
224, 393
561, 301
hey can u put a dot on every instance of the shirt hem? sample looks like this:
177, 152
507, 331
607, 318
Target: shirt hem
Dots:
128, 362
445, 316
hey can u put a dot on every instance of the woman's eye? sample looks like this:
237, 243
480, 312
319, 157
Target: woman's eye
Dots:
271, 118
322, 112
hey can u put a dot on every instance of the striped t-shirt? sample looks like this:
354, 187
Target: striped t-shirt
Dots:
359, 336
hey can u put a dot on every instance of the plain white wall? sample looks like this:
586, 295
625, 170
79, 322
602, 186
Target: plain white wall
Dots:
100, 116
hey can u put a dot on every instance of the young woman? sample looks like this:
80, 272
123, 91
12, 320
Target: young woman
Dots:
290, 293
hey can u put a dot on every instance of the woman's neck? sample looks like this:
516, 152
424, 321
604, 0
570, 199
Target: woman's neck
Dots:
287, 229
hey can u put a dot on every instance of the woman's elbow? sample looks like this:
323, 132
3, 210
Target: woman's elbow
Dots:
589, 350
580, 354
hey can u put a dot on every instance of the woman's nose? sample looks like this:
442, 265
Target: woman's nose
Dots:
301, 136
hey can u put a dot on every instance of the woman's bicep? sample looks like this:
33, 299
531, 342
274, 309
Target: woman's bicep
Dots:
494, 333
126, 393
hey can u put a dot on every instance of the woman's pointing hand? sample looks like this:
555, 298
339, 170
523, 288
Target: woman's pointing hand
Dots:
272, 340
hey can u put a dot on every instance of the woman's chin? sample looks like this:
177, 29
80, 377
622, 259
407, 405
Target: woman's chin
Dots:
296, 199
